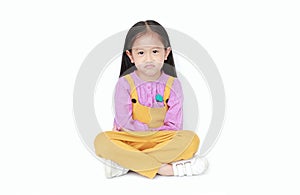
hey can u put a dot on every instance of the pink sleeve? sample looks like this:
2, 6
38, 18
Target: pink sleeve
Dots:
123, 108
174, 115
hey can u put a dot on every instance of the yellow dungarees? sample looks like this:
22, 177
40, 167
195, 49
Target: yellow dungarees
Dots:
145, 151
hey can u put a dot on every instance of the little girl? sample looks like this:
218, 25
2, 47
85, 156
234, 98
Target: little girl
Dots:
147, 137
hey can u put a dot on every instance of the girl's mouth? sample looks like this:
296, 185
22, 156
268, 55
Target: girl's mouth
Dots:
149, 66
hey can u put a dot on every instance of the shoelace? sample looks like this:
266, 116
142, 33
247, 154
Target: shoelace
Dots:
184, 169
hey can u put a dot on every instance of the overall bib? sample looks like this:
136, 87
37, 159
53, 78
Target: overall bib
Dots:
144, 152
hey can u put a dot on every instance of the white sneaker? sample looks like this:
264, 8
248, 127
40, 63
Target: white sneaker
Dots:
113, 169
193, 166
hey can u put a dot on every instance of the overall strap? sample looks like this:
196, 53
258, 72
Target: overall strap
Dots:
168, 88
133, 92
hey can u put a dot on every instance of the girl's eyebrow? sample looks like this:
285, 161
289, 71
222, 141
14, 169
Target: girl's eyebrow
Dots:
147, 46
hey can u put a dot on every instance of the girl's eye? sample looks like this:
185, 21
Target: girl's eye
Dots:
140, 53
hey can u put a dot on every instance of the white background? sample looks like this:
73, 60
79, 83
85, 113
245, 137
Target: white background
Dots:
255, 45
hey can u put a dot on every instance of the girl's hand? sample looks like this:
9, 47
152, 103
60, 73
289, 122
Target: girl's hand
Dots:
124, 129
115, 128
119, 129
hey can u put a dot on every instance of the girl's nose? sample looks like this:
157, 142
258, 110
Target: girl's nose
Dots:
148, 57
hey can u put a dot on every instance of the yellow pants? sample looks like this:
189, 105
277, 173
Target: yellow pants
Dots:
145, 152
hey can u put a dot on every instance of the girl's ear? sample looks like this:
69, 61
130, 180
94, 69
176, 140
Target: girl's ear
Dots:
128, 53
168, 50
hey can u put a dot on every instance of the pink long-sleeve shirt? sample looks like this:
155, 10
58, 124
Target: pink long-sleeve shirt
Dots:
146, 94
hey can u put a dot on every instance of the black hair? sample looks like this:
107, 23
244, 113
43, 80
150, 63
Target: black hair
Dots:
137, 30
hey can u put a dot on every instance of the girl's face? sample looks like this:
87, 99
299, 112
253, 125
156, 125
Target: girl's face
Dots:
148, 54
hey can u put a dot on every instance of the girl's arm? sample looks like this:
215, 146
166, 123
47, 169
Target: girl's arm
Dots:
123, 109
174, 115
